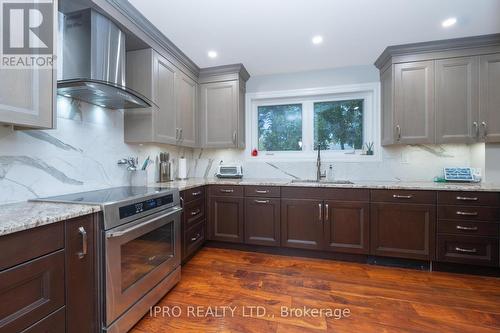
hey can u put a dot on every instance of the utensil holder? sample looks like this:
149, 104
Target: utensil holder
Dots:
139, 178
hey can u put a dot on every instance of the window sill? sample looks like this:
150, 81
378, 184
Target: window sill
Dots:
325, 157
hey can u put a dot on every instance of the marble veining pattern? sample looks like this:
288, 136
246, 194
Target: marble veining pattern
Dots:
26, 215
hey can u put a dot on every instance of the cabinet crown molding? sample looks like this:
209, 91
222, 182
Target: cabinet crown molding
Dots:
455, 44
223, 73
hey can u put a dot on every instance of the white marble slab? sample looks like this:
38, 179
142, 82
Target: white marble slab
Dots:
27, 215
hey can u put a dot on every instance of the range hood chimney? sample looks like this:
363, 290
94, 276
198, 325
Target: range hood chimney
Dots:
93, 62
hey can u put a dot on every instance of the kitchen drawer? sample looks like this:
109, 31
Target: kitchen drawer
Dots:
31, 291
194, 211
263, 191
338, 194
193, 239
226, 190
471, 250
42, 240
468, 228
403, 196
468, 213
469, 198
193, 194
55, 323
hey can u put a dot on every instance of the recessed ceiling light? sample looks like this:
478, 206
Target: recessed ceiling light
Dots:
212, 54
317, 40
449, 22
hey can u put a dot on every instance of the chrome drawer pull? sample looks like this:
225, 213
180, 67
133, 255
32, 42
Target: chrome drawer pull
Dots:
467, 199
320, 212
84, 251
227, 191
195, 238
326, 211
195, 212
195, 194
459, 227
261, 201
459, 249
467, 213
261, 191
397, 196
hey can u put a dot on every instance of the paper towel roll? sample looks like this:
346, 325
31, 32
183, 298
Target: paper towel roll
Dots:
182, 170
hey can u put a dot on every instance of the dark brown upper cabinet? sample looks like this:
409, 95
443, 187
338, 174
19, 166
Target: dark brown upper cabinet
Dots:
441, 92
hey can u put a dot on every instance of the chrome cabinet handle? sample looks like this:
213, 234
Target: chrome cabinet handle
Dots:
180, 133
459, 249
195, 238
476, 129
460, 227
398, 131
195, 194
226, 191
234, 137
195, 212
261, 201
262, 191
485, 129
467, 213
397, 196
467, 198
326, 211
320, 212
84, 251
176, 134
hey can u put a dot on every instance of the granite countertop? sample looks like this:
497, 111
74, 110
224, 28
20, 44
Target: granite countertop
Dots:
26, 215
431, 186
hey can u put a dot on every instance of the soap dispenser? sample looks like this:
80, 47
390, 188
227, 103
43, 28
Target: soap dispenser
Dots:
330, 176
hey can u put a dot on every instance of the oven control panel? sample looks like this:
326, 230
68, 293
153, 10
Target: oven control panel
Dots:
144, 206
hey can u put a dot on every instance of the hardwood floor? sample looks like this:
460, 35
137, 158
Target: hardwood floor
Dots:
379, 299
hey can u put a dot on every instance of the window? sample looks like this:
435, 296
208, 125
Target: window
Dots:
280, 127
291, 124
339, 125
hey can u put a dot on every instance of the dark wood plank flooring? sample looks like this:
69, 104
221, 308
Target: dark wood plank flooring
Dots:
379, 299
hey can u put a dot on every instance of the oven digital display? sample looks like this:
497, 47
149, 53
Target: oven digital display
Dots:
144, 206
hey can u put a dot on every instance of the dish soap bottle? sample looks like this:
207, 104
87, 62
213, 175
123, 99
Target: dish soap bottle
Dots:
329, 175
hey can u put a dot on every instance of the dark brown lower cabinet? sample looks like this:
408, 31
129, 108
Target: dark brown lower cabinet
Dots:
347, 227
262, 221
472, 250
302, 223
81, 275
54, 323
226, 219
403, 230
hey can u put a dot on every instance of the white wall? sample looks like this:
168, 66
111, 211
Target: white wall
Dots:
409, 163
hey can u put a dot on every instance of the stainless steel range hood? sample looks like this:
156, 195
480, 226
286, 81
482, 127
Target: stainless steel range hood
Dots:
93, 62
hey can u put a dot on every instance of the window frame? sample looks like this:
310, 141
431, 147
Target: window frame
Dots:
369, 92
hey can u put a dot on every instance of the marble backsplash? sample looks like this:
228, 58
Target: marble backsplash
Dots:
81, 154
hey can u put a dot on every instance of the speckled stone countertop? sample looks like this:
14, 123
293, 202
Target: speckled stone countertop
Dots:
431, 186
26, 215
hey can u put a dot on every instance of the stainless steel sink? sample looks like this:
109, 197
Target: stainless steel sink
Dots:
339, 182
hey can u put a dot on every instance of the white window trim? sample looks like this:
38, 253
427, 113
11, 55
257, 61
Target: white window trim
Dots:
370, 92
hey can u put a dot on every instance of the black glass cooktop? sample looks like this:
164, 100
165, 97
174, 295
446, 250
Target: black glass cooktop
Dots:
105, 196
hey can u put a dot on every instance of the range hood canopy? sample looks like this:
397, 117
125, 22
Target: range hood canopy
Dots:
93, 62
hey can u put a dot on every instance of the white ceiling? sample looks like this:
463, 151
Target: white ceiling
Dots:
274, 36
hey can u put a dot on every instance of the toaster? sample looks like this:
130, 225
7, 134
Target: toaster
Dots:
229, 171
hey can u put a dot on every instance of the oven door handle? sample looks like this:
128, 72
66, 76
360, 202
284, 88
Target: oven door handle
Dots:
114, 234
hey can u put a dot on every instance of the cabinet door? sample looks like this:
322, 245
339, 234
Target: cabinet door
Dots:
262, 221
387, 112
457, 100
186, 95
403, 230
489, 89
81, 275
302, 223
219, 114
347, 227
226, 219
164, 92
414, 102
